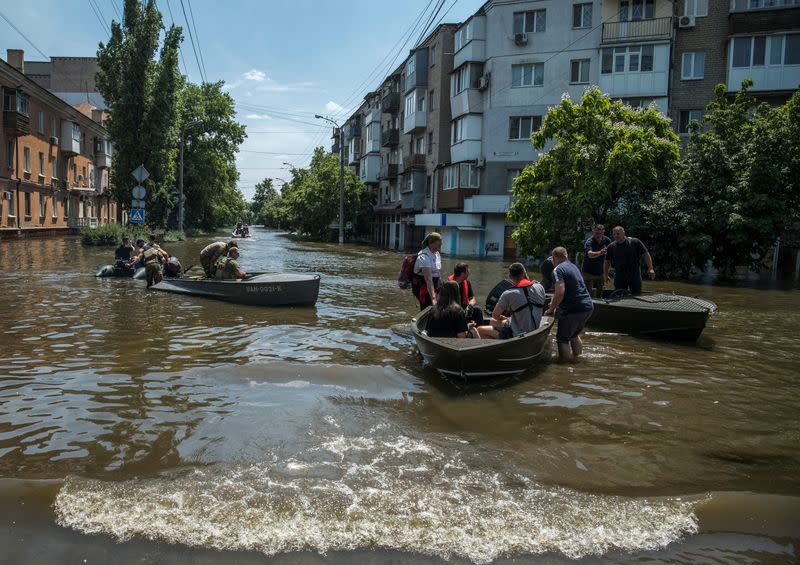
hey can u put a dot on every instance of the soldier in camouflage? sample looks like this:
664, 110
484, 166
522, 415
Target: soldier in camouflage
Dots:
228, 267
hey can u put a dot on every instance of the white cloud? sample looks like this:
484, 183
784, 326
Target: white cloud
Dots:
334, 108
258, 117
255, 74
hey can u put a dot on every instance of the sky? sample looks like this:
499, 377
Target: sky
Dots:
282, 60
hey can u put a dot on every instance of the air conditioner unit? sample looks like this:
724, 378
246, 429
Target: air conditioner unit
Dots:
53, 140
7, 195
483, 82
686, 21
521, 38
480, 162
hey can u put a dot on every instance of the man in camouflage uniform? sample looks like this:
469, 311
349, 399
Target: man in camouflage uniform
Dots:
154, 256
212, 253
228, 267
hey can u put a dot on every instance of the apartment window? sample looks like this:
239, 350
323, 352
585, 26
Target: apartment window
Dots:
463, 36
26, 159
686, 117
54, 167
419, 145
76, 132
530, 74
53, 207
10, 154
27, 204
41, 164
459, 130
695, 7
430, 143
634, 10
635, 58
42, 205
511, 174
582, 15
468, 175
533, 21
522, 127
421, 103
460, 80
579, 71
693, 65
450, 178
411, 66
752, 51
410, 104
792, 53
41, 123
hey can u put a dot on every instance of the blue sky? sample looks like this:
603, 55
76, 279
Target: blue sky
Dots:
297, 57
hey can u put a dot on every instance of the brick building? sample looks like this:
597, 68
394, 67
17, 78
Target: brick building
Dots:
55, 159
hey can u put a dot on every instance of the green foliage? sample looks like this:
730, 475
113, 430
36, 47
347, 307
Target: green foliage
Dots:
174, 235
212, 138
606, 163
111, 234
310, 202
144, 102
267, 207
740, 186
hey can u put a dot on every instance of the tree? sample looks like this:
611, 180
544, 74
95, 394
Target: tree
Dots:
741, 177
606, 162
267, 208
310, 203
212, 137
143, 98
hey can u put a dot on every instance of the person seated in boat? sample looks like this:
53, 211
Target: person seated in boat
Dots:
519, 309
154, 258
122, 255
212, 253
625, 254
172, 268
468, 302
546, 267
228, 267
447, 318
573, 303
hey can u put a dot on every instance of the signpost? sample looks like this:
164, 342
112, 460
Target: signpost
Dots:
140, 174
139, 194
137, 216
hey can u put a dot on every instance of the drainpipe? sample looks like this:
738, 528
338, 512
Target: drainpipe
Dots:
19, 180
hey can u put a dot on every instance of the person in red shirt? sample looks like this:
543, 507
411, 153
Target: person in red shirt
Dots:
467, 295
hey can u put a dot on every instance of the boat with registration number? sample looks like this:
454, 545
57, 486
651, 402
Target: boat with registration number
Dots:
257, 289
473, 359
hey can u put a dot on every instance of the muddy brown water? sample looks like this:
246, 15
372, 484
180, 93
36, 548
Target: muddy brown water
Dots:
140, 426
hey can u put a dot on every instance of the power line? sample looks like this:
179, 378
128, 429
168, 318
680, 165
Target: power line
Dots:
197, 35
191, 39
180, 49
273, 152
114, 5
434, 13
97, 14
25, 37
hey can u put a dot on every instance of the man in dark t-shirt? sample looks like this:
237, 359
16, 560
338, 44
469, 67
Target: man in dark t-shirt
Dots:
573, 303
595, 248
625, 255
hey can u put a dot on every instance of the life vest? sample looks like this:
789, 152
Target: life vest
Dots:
152, 254
464, 286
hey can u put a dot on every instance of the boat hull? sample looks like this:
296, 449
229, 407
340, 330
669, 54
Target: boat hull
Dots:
474, 359
259, 289
671, 317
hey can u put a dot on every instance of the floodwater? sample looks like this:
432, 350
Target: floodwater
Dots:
140, 426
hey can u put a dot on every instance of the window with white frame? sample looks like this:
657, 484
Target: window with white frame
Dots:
687, 117
26, 159
511, 174
411, 66
463, 36
693, 65
53, 127
582, 15
631, 59
532, 21
695, 8
40, 129
42, 205
579, 71
419, 145
9, 154
41, 164
76, 132
460, 80
783, 49
54, 168
459, 129
522, 127
410, 104
636, 10
450, 178
421, 103
756, 4
467, 175
528, 74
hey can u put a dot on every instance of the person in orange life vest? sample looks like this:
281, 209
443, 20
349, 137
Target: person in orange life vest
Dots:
427, 269
461, 276
519, 309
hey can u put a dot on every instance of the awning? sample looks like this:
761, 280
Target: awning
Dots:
82, 189
468, 228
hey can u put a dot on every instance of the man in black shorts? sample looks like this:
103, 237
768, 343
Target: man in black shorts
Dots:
574, 305
625, 255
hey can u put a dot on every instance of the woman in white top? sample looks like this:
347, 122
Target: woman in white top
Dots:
427, 269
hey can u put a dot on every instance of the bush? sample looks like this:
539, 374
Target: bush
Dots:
110, 234
195, 232
174, 235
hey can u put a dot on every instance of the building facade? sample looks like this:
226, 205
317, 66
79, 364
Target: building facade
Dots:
56, 159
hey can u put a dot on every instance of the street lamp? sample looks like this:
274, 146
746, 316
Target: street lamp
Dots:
341, 175
180, 174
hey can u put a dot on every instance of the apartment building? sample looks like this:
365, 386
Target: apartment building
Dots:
54, 172
388, 224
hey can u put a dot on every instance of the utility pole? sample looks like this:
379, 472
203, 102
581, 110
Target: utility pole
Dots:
341, 175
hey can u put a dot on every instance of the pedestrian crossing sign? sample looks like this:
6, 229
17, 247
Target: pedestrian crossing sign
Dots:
137, 216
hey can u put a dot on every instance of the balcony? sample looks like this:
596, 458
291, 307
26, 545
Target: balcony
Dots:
390, 137
763, 5
414, 161
390, 103
353, 157
453, 198
369, 169
374, 115
16, 124
417, 75
468, 101
415, 121
102, 153
389, 171
352, 131
70, 142
637, 30
780, 15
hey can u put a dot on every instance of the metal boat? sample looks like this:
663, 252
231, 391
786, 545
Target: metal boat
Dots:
669, 316
481, 358
115, 271
258, 289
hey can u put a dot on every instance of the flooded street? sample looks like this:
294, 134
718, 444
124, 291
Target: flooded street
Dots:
143, 425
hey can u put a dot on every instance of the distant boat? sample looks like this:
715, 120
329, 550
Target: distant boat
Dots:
481, 358
669, 316
257, 289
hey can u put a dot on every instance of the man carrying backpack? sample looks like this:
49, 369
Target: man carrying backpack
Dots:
427, 271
